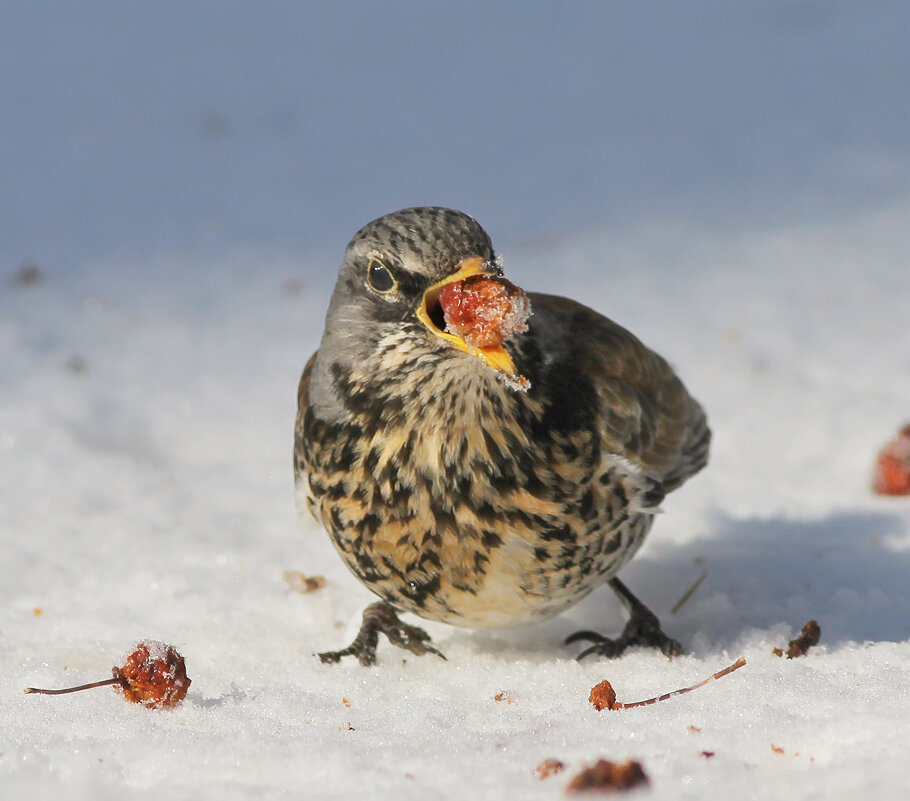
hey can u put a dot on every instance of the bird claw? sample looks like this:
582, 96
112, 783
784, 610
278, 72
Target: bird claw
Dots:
605, 647
643, 630
380, 618
411, 638
612, 648
591, 636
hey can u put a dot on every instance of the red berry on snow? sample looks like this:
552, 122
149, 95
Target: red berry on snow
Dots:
892, 470
153, 675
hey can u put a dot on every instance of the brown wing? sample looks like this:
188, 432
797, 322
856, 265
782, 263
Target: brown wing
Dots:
645, 413
303, 403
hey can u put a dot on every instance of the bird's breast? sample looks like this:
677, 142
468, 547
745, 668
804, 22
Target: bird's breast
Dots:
448, 498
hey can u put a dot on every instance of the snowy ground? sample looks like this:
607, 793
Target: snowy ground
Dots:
731, 184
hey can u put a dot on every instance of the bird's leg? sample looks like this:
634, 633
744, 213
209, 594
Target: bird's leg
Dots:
642, 629
382, 618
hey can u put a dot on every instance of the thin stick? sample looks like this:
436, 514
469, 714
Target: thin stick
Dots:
689, 593
104, 683
735, 666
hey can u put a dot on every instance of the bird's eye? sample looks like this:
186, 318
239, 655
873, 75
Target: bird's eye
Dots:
380, 277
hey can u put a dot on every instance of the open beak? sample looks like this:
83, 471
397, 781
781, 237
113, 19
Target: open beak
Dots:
429, 313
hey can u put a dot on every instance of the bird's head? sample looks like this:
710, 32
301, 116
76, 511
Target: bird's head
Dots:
394, 270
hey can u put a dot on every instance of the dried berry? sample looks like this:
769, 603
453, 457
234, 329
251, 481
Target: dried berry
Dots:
603, 696
892, 470
298, 582
153, 675
809, 635
484, 311
606, 775
549, 767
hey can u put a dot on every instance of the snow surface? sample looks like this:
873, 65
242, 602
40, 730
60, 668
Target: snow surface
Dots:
731, 181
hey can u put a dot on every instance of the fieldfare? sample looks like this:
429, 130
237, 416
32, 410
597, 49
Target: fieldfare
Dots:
482, 481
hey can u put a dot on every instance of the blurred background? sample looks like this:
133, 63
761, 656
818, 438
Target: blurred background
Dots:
208, 126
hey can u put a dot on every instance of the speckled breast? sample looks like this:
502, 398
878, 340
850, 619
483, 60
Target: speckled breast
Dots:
465, 509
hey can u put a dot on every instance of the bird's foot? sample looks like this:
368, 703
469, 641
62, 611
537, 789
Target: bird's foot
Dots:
382, 618
642, 630
631, 636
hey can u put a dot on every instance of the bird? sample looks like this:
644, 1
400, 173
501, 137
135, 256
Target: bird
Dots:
483, 488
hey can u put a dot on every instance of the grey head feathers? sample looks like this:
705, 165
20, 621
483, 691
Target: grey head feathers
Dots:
416, 247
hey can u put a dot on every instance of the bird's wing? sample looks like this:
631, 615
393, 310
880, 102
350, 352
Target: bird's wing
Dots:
643, 411
303, 403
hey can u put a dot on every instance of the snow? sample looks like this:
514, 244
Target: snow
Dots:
730, 181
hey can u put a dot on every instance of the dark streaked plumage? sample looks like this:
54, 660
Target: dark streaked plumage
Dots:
453, 494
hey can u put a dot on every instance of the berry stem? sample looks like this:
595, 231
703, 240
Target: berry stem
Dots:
719, 675
689, 593
103, 683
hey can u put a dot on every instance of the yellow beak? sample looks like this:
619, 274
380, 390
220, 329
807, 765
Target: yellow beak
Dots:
495, 357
